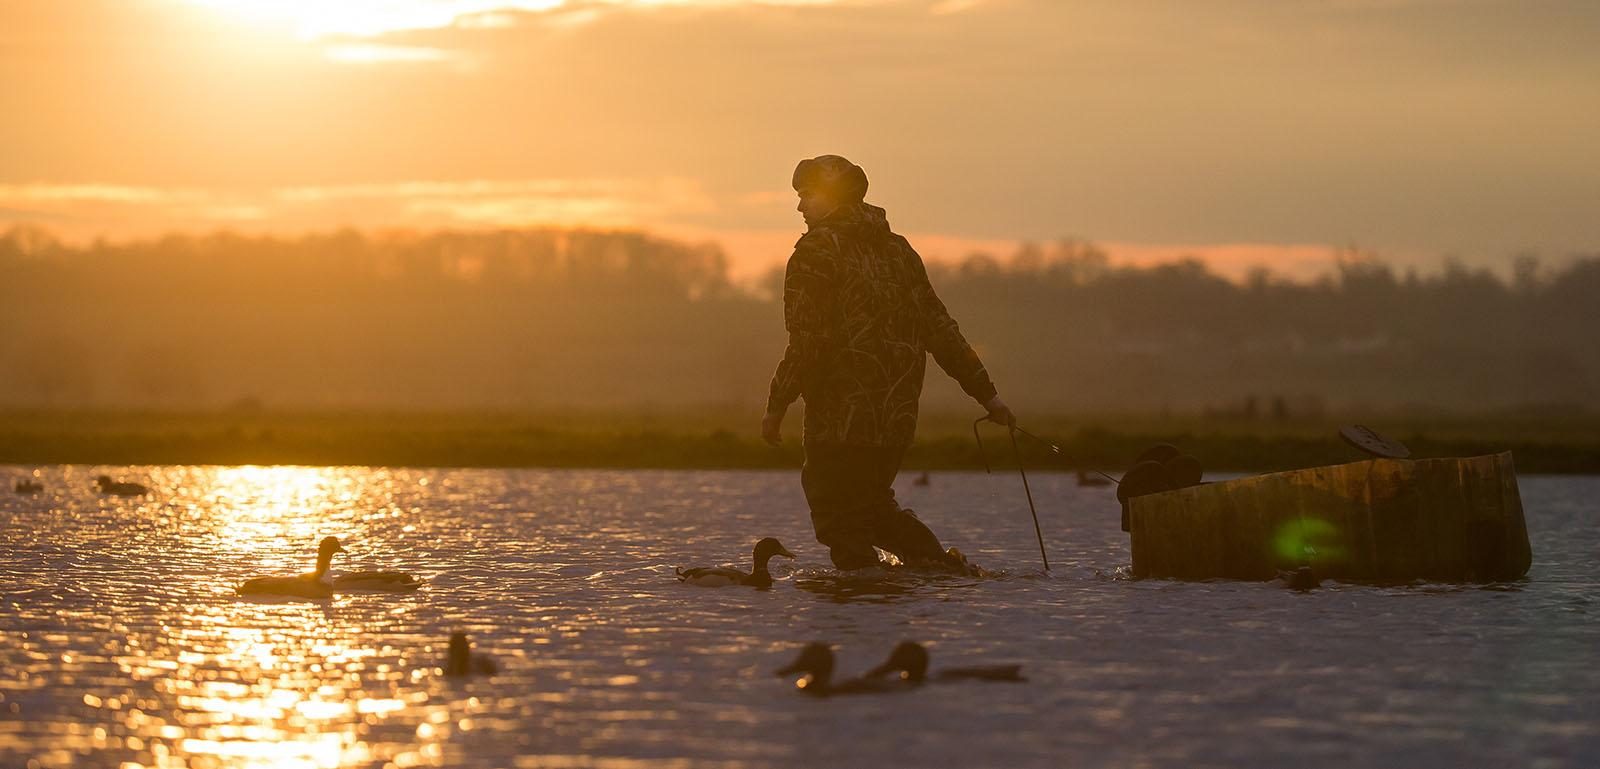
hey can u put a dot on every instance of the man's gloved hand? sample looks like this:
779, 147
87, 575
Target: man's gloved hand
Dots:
771, 428
1000, 413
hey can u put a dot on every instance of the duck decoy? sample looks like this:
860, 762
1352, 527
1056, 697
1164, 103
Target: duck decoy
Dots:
120, 488
910, 661
460, 662
27, 486
720, 576
313, 585
922, 480
816, 662
376, 581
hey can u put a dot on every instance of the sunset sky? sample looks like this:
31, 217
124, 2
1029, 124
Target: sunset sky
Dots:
1245, 130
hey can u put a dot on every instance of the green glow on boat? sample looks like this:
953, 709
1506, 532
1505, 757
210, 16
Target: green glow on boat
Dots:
1308, 540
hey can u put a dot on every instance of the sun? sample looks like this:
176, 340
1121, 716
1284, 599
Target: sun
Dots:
318, 19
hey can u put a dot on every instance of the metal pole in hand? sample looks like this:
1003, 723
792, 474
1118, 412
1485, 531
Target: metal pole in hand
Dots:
1018, 453
1036, 532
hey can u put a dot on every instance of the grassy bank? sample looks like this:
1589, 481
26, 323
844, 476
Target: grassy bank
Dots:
710, 439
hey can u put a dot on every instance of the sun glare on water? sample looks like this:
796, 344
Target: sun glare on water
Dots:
276, 505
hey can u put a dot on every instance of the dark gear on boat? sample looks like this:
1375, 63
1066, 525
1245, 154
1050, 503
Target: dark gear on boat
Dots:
1141, 479
851, 493
1161, 452
1183, 471
1370, 441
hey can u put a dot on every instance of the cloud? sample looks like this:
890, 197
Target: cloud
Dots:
93, 193
333, 19
1451, 127
121, 210
368, 53
945, 7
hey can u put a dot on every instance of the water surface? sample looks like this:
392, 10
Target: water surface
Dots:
124, 645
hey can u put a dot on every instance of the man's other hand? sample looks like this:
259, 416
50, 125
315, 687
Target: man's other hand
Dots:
1000, 413
772, 428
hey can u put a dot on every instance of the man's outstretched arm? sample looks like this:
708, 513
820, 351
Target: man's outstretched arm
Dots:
805, 317
951, 350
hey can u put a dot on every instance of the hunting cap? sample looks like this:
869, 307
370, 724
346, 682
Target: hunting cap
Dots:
844, 179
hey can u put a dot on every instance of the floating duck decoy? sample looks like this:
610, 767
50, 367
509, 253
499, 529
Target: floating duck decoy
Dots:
460, 662
377, 581
1301, 579
816, 662
28, 486
120, 488
922, 480
720, 576
1085, 479
910, 661
313, 585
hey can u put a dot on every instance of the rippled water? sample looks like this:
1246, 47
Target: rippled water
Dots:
124, 644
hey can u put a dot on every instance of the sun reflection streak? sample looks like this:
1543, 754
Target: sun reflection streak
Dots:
251, 684
272, 506
184, 672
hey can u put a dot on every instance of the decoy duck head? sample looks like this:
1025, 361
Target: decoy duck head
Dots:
909, 659
458, 659
103, 481
815, 660
325, 551
769, 547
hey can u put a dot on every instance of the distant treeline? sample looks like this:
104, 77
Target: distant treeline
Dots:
549, 317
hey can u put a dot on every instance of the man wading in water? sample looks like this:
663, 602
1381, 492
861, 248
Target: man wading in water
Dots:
862, 318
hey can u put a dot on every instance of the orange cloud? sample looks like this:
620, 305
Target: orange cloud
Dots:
324, 19
96, 210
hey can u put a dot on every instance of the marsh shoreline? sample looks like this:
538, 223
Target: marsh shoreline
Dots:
709, 439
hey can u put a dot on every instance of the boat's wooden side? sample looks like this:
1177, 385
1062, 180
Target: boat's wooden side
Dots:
1457, 520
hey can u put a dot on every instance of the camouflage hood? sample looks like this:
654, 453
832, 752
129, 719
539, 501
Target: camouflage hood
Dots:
861, 219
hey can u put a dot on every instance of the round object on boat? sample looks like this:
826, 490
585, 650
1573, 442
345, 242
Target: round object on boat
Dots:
1144, 478
1160, 452
1368, 440
1183, 471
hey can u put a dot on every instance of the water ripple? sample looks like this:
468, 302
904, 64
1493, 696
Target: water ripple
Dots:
124, 644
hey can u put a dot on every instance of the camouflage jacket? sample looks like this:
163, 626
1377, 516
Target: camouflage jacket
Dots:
862, 318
